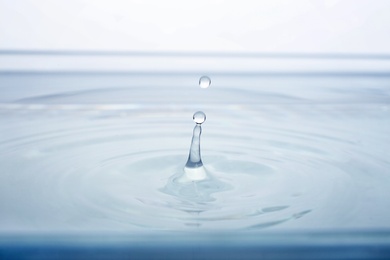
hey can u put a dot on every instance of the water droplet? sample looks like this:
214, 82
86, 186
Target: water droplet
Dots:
204, 82
194, 159
199, 117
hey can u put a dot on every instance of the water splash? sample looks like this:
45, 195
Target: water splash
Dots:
194, 169
194, 158
194, 183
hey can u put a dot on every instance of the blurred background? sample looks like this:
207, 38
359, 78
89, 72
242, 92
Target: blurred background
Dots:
278, 26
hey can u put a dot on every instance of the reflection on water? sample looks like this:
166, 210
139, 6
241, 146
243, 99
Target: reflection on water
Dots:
106, 152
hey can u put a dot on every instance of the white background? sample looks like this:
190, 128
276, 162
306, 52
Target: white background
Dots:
274, 26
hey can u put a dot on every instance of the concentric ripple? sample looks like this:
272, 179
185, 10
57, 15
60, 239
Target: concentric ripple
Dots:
280, 166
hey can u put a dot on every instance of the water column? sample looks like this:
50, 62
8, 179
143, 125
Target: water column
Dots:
194, 169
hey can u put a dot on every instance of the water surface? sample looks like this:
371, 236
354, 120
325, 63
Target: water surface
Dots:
96, 152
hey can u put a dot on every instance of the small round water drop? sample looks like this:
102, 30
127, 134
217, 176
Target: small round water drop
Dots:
204, 82
199, 117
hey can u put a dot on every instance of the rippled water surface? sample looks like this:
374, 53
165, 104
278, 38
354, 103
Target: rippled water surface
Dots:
83, 152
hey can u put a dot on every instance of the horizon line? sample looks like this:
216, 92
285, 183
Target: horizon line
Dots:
276, 55
214, 73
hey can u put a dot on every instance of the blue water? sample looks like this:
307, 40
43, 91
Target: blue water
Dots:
300, 153
89, 152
